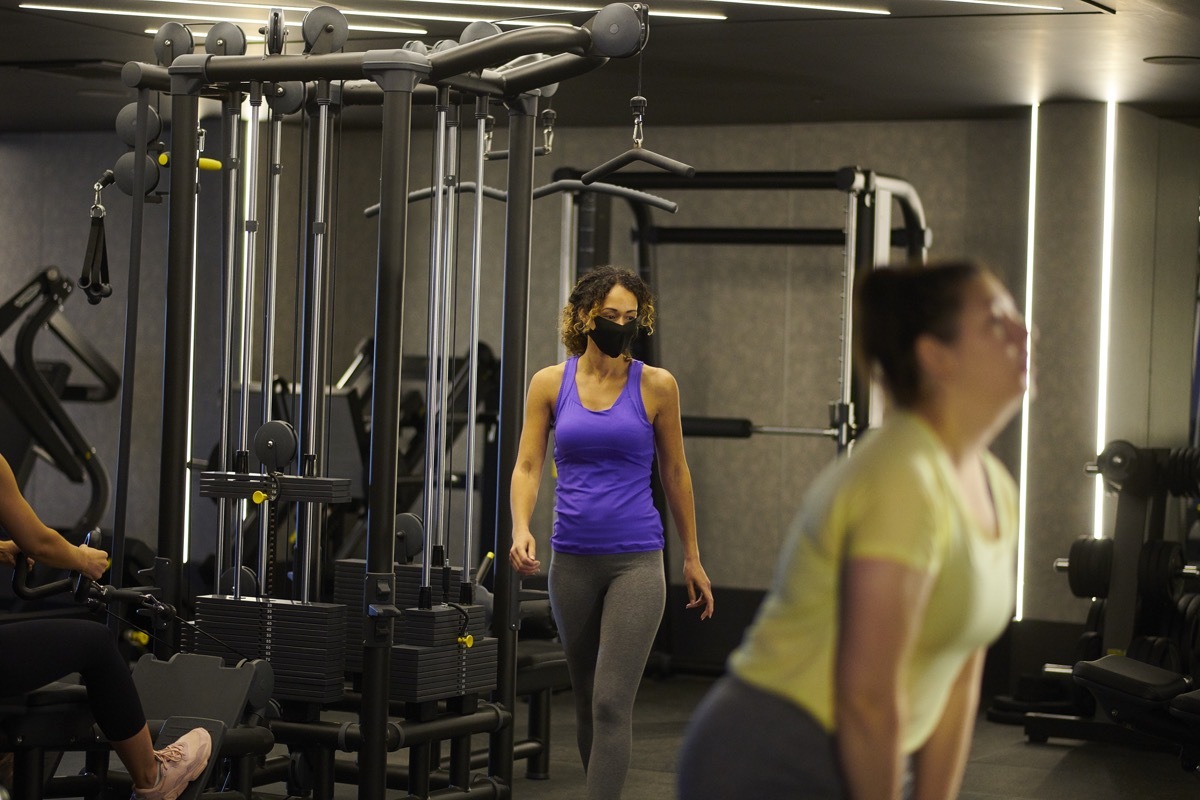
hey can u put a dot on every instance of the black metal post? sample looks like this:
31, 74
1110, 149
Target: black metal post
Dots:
133, 281
177, 344
522, 112
398, 72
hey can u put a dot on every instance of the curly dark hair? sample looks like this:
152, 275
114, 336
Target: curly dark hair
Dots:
894, 306
587, 300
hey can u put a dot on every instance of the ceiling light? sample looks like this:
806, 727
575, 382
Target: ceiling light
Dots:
534, 4
200, 18
379, 28
256, 24
810, 6
1034, 6
122, 13
302, 11
658, 12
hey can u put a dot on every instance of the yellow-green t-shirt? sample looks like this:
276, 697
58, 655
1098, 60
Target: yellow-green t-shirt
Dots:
895, 498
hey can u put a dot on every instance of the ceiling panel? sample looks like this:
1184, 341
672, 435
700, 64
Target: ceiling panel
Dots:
924, 59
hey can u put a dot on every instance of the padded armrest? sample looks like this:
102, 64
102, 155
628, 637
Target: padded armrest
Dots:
52, 694
1187, 706
1130, 677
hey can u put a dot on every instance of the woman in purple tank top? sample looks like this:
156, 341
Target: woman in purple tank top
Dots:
612, 416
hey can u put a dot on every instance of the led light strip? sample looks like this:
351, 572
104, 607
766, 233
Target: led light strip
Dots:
355, 12
536, 6
1106, 265
201, 18
809, 6
1023, 486
1034, 6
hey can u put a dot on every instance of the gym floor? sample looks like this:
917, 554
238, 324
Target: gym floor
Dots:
1003, 764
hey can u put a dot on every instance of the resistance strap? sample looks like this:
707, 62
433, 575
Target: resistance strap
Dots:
94, 279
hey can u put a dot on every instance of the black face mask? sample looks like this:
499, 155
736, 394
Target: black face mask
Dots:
611, 338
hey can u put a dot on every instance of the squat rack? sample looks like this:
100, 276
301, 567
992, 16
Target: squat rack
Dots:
867, 238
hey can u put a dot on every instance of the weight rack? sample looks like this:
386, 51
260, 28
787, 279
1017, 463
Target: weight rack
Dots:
303, 642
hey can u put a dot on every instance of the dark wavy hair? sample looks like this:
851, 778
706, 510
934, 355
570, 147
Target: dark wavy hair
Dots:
587, 300
894, 306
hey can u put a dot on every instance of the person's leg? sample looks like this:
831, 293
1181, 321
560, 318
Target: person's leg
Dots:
137, 754
576, 600
633, 609
744, 742
35, 653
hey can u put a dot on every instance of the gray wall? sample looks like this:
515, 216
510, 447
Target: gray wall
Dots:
1157, 182
747, 331
44, 221
755, 331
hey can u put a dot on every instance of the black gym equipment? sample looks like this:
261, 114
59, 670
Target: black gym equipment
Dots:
229, 702
638, 153
1139, 651
740, 428
33, 391
866, 239
395, 79
94, 280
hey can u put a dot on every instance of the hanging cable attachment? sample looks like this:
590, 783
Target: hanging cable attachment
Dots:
549, 116
94, 278
637, 104
489, 127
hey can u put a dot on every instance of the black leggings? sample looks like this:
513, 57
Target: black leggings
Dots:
35, 653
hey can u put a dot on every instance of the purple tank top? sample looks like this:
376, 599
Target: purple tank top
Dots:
603, 500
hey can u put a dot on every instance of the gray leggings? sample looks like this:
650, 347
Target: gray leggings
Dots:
608, 609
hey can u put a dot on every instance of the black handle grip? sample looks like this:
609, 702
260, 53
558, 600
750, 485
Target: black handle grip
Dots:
22, 589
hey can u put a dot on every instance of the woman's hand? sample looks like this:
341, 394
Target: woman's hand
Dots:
8, 553
523, 553
93, 562
699, 587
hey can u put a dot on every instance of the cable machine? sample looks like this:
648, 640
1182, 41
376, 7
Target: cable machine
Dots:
399, 78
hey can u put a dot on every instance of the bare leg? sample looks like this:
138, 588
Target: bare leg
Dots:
137, 754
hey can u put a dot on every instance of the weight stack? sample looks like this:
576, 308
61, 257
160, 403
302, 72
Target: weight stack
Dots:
304, 642
431, 664
348, 576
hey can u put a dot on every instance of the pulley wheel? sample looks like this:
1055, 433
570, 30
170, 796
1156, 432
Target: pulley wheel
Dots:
286, 97
171, 41
225, 39
478, 30
275, 445
123, 174
249, 582
126, 125
275, 32
325, 30
410, 536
